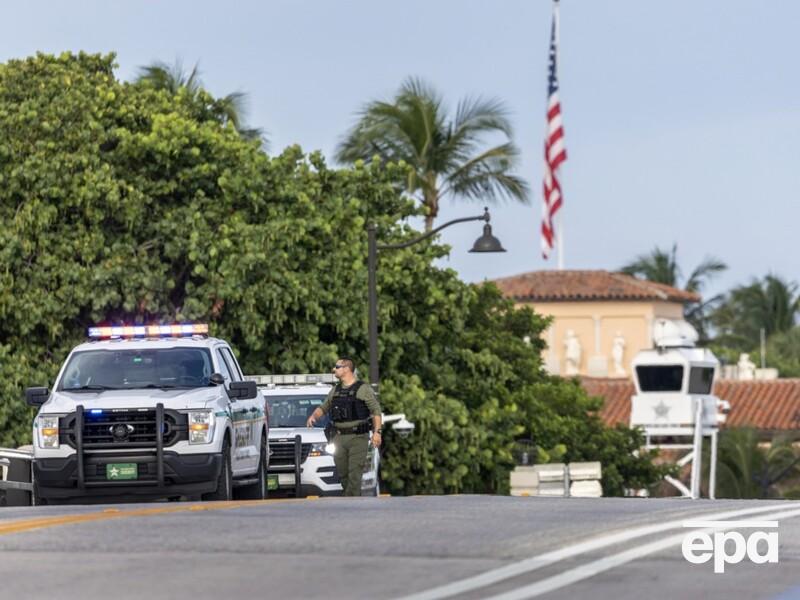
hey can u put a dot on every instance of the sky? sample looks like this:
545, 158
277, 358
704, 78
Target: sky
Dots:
682, 119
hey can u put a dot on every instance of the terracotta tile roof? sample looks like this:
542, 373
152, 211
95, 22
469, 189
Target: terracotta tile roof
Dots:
766, 405
553, 286
763, 404
617, 395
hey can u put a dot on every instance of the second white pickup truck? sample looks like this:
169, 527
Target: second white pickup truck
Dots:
301, 458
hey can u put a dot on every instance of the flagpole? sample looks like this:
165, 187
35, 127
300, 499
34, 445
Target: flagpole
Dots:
560, 222
560, 240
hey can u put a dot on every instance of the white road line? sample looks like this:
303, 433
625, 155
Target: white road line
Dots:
537, 562
604, 564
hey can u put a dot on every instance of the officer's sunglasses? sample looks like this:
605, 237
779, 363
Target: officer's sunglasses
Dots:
339, 366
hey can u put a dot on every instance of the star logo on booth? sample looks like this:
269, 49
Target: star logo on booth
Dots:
661, 410
114, 472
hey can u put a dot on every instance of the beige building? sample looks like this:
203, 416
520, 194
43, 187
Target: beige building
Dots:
600, 319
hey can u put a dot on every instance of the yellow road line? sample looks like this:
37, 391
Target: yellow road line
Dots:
115, 513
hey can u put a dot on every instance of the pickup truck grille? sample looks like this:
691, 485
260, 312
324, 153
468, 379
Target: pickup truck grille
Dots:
124, 428
282, 453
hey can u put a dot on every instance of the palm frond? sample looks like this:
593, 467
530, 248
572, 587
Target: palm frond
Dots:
416, 87
157, 75
192, 82
228, 109
487, 176
170, 77
478, 115
705, 271
387, 130
659, 266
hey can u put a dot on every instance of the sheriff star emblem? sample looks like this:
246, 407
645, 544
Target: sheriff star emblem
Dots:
113, 472
661, 410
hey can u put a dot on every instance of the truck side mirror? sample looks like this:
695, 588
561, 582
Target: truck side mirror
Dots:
242, 390
36, 396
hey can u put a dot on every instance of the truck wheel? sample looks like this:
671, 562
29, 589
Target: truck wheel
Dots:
257, 490
224, 489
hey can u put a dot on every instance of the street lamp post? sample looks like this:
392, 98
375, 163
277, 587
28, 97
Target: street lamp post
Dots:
486, 243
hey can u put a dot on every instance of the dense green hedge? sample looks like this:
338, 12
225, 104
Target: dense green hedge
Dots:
122, 203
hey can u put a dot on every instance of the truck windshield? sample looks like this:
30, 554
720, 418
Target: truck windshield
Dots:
292, 411
97, 370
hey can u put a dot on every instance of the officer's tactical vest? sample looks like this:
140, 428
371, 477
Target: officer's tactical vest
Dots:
346, 407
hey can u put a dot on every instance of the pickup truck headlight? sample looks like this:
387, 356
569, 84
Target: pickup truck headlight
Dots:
201, 426
322, 449
47, 431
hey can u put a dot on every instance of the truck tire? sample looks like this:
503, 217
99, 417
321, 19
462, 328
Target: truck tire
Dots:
224, 489
257, 490
36, 500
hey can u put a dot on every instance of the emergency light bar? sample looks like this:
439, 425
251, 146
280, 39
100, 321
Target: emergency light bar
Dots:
134, 331
293, 379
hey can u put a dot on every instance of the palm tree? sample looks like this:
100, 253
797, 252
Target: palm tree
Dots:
783, 352
745, 469
173, 78
447, 156
770, 304
661, 266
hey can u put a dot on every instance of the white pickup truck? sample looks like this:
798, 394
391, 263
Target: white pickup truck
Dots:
146, 412
301, 458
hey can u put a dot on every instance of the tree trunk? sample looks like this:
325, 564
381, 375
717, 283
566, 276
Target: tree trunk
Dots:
431, 201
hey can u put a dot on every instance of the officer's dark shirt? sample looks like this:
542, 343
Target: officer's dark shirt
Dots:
364, 393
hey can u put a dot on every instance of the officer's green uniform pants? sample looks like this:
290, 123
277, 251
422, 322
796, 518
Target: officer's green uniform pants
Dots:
350, 456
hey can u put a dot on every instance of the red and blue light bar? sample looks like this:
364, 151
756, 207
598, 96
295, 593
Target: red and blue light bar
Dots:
148, 331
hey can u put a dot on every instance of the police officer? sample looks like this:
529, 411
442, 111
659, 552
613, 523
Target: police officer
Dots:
355, 411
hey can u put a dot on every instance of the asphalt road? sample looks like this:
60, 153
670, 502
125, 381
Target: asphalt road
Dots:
422, 547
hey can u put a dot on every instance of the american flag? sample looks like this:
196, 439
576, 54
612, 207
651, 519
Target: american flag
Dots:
555, 152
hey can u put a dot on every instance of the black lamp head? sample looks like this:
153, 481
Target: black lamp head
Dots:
487, 242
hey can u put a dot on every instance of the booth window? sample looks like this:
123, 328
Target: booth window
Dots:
700, 380
662, 378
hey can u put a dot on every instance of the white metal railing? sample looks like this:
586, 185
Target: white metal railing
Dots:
15, 484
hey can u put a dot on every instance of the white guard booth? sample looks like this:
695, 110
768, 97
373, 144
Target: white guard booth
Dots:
674, 403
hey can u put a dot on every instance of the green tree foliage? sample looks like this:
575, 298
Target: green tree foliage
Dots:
468, 446
746, 468
770, 304
661, 266
228, 109
448, 156
124, 203
783, 352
